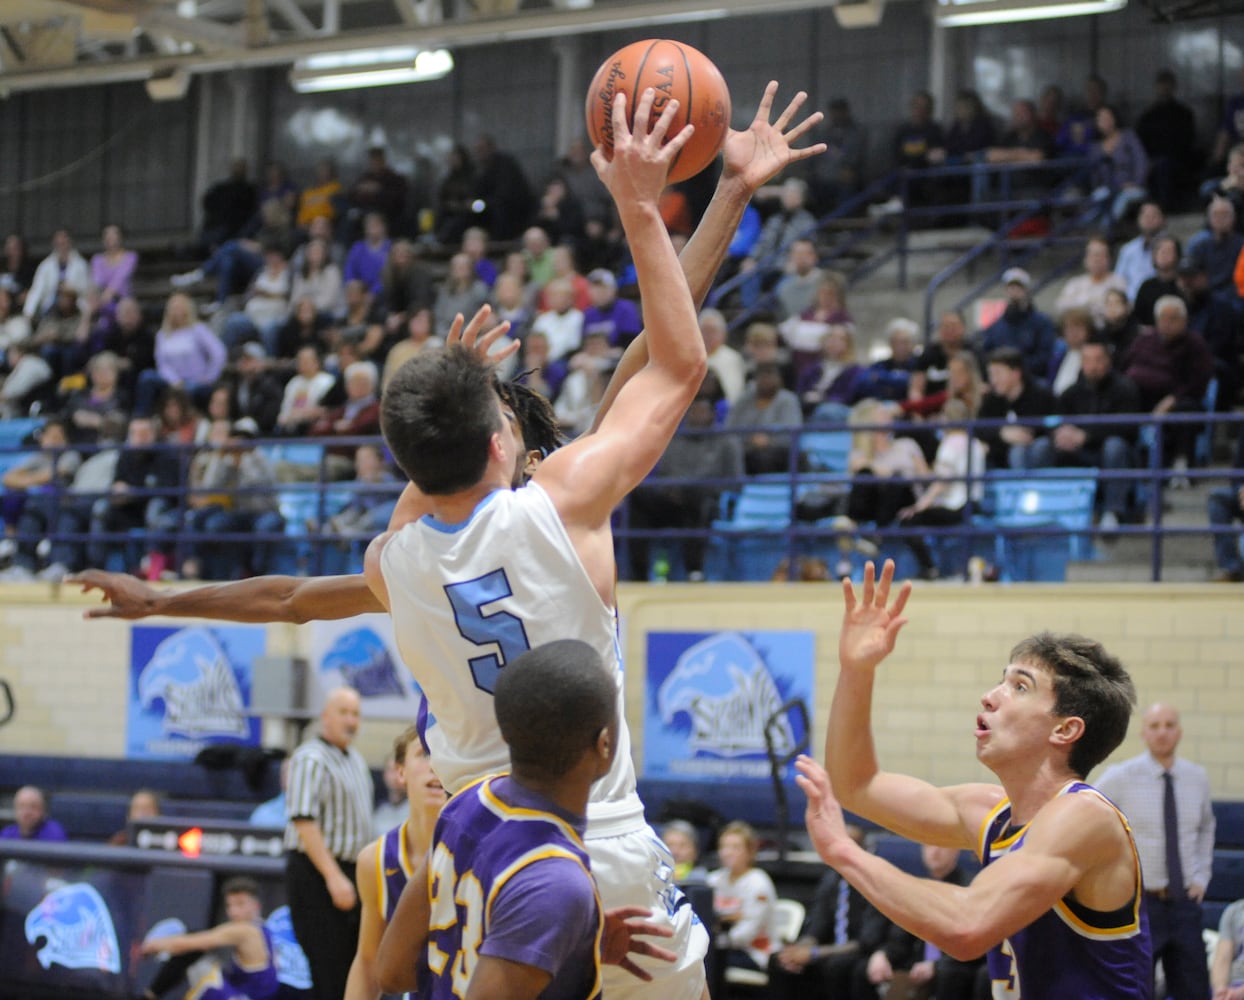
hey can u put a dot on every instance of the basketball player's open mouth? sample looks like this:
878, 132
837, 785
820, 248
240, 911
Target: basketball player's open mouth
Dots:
982, 727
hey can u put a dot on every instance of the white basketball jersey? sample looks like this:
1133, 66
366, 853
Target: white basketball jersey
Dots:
468, 598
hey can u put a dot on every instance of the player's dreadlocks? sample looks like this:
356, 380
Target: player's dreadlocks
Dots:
534, 414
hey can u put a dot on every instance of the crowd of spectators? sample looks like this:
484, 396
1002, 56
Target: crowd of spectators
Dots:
307, 300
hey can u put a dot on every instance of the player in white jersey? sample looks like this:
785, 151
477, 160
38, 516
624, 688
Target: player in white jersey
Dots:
569, 585
491, 572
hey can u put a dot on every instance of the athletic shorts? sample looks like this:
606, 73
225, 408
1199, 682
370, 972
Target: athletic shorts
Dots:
634, 868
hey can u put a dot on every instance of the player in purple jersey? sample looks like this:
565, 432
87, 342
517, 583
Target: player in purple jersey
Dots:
1058, 902
506, 907
387, 863
251, 971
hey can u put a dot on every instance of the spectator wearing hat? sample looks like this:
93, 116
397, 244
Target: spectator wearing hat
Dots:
253, 391
618, 319
1021, 326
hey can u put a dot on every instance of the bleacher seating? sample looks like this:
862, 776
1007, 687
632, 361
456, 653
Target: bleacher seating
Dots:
1053, 498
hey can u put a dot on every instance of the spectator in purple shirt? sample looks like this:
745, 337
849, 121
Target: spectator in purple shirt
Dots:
112, 274
367, 257
1120, 165
187, 354
617, 318
32, 823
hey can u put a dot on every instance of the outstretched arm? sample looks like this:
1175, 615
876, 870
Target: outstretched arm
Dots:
227, 935
261, 599
751, 158
906, 805
361, 983
587, 478
1077, 841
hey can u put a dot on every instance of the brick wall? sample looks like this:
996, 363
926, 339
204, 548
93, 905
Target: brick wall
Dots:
1181, 643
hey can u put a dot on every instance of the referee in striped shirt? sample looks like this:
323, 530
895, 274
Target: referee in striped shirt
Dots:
328, 820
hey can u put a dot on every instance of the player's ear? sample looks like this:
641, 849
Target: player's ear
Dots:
604, 744
1068, 730
532, 462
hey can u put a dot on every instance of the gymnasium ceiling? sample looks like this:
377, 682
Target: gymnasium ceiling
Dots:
52, 43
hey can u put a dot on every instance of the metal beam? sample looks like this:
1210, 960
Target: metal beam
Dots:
292, 14
206, 34
525, 25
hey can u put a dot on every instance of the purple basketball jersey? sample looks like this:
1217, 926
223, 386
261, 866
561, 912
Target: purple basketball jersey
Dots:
510, 878
1070, 951
393, 869
239, 983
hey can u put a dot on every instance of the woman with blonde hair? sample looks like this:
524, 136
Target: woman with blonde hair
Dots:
187, 354
836, 377
882, 466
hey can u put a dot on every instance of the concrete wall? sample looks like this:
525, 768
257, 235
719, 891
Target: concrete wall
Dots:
1181, 643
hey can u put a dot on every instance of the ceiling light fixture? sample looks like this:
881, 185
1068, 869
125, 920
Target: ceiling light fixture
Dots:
358, 68
974, 12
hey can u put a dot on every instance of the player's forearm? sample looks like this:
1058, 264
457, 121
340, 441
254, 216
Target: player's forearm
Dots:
850, 756
271, 599
669, 312
361, 983
704, 253
933, 911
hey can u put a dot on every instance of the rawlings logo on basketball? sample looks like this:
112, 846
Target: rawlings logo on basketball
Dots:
77, 930
727, 691
607, 92
190, 675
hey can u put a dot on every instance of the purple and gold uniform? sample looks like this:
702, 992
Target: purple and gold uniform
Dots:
510, 878
393, 869
1069, 951
237, 982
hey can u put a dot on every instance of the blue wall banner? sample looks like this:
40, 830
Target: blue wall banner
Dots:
361, 653
709, 695
190, 687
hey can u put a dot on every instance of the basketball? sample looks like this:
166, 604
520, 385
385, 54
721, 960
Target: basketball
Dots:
676, 71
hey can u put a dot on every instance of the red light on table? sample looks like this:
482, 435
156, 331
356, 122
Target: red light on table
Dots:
191, 842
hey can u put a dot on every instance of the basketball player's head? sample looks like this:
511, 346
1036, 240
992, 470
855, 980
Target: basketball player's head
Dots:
556, 707
536, 421
242, 902
1089, 685
444, 423
423, 788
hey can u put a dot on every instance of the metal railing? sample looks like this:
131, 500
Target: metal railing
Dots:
301, 548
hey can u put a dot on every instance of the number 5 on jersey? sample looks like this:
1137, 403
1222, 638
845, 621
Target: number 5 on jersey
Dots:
500, 628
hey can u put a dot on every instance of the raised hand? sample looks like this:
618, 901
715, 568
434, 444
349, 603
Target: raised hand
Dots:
469, 335
759, 153
620, 941
826, 827
640, 163
127, 597
871, 625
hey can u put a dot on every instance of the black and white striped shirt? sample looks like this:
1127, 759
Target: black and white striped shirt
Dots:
333, 787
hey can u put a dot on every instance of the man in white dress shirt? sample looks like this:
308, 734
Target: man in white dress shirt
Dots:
1159, 792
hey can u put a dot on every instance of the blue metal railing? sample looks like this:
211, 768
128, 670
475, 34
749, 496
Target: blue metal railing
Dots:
304, 546
1076, 210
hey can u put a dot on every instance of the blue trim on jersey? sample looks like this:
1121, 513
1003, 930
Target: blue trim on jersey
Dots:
452, 529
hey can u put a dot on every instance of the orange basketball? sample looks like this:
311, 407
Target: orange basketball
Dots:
676, 71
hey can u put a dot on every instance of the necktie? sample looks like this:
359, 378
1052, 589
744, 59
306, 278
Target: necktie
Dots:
1174, 867
840, 912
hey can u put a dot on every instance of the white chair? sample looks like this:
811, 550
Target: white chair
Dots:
788, 916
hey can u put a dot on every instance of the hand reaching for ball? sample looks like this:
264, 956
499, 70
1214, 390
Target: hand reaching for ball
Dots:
636, 173
756, 155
